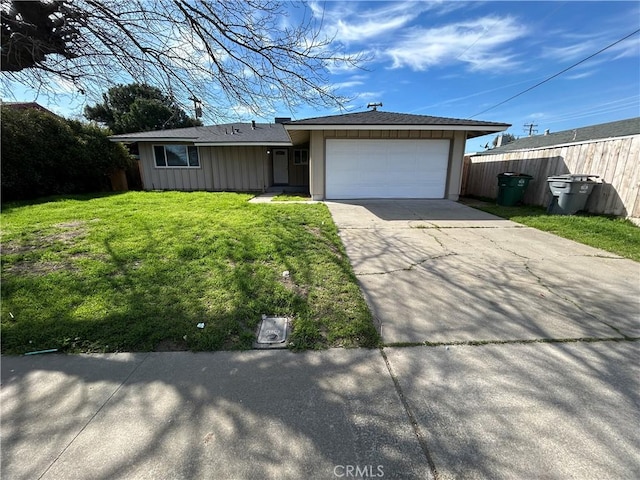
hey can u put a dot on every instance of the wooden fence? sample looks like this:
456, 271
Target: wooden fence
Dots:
615, 160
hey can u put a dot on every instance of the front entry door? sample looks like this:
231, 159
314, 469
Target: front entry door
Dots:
281, 167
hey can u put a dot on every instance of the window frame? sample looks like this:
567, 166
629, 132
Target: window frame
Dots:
303, 156
164, 150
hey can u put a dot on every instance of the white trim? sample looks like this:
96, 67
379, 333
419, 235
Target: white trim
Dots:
243, 144
154, 139
173, 167
192, 142
469, 128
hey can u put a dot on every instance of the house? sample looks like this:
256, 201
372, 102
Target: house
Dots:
609, 150
27, 106
371, 154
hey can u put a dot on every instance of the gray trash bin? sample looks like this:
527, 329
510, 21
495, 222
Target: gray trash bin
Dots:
570, 193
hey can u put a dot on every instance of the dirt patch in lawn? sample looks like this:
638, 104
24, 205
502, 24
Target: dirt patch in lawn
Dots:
317, 232
171, 346
295, 288
30, 248
66, 233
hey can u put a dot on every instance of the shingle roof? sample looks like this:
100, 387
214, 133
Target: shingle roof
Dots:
621, 128
275, 134
228, 134
377, 117
27, 105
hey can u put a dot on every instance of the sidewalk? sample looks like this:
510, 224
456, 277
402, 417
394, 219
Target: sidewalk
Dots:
490, 411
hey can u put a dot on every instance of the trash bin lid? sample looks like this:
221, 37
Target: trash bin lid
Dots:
573, 177
514, 174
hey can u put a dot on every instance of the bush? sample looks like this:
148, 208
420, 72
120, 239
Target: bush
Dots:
43, 154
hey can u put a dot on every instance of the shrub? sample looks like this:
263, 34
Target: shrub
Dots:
43, 154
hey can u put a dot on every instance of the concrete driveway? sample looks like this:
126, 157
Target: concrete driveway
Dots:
528, 364
440, 272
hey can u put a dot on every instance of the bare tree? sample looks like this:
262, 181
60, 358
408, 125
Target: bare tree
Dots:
244, 53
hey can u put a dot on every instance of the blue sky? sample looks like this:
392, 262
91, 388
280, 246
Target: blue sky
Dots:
460, 59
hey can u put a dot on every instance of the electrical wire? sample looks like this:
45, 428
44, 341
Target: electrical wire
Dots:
557, 74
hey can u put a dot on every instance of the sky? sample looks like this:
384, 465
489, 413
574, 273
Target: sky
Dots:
464, 59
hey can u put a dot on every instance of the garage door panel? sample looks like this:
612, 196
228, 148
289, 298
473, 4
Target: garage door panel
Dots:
386, 168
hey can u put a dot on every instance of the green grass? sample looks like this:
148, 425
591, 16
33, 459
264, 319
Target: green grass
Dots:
292, 197
138, 271
614, 235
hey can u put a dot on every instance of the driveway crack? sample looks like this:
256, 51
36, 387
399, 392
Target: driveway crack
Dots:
570, 300
408, 268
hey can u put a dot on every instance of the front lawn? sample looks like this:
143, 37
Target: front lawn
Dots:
614, 235
138, 271
292, 197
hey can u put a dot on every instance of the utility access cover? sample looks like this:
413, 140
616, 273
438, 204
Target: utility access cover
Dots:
272, 332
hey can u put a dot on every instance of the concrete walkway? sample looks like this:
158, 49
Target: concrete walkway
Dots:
523, 411
513, 410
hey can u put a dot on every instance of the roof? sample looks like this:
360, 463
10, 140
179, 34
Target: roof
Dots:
27, 105
378, 120
620, 128
276, 133
228, 134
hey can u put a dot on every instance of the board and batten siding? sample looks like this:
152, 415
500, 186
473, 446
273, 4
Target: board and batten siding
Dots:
228, 168
615, 160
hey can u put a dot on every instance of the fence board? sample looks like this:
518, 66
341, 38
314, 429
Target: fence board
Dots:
616, 161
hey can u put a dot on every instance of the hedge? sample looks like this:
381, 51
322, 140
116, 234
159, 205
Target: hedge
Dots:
43, 154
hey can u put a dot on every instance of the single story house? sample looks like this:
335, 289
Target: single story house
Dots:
609, 150
371, 154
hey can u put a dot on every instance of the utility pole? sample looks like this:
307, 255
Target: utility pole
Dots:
531, 128
197, 106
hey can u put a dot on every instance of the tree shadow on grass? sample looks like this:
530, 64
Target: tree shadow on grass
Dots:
154, 293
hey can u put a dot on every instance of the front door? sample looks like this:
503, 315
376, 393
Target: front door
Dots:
281, 166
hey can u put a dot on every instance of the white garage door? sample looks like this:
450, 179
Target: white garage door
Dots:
386, 168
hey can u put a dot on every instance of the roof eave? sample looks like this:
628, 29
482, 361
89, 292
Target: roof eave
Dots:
244, 144
194, 141
115, 138
469, 128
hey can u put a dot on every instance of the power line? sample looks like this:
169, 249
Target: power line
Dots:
556, 75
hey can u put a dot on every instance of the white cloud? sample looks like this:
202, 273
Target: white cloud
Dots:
348, 84
481, 43
351, 22
369, 96
579, 47
578, 76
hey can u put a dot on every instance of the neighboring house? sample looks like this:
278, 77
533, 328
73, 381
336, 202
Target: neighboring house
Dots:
370, 154
26, 106
609, 150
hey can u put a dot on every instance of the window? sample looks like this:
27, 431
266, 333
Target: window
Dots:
176, 156
301, 157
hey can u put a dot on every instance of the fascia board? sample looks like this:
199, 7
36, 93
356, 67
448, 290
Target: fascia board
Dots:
243, 144
153, 139
469, 128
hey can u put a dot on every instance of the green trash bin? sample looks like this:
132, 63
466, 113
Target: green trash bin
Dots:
511, 187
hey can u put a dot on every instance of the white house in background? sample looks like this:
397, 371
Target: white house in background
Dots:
372, 154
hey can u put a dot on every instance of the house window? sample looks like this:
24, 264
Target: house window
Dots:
176, 156
301, 157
